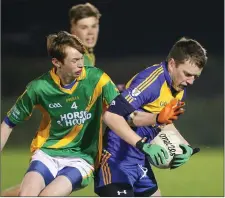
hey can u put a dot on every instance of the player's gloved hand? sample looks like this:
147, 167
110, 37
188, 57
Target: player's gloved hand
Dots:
170, 112
156, 153
181, 159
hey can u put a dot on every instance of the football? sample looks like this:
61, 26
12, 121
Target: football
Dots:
170, 140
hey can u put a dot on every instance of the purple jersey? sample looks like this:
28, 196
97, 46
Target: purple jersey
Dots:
150, 90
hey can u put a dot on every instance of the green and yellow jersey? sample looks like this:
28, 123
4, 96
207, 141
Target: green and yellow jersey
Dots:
89, 58
71, 118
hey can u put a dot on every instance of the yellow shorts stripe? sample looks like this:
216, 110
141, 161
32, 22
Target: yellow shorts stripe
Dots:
107, 178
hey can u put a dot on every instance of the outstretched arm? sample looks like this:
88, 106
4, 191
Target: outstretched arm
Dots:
21, 111
5, 132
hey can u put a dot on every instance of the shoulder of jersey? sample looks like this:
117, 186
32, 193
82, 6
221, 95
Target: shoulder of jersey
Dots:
38, 82
154, 67
154, 74
93, 71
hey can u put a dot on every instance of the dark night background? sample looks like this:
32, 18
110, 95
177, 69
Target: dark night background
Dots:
133, 35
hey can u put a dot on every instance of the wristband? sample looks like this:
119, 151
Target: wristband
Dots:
140, 144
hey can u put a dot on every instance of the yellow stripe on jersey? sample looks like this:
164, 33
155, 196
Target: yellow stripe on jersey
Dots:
164, 98
147, 82
99, 154
43, 131
76, 129
151, 80
128, 98
56, 79
130, 81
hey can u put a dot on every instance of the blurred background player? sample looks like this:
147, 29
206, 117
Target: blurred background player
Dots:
125, 170
84, 23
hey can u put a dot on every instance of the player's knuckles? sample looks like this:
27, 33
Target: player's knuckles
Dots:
154, 161
178, 157
177, 113
177, 108
163, 161
174, 118
173, 102
177, 162
182, 104
160, 160
165, 153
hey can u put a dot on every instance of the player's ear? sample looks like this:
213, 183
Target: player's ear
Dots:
171, 64
56, 63
72, 27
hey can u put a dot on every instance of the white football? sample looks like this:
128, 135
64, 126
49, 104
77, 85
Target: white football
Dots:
169, 140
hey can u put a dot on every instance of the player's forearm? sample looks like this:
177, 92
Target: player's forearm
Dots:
5, 132
172, 127
140, 118
119, 125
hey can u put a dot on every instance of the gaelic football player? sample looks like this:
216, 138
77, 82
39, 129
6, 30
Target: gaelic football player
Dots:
124, 170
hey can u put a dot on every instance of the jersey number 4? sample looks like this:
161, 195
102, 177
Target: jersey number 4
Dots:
74, 106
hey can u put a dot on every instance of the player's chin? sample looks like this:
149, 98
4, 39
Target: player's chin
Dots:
179, 88
90, 45
76, 75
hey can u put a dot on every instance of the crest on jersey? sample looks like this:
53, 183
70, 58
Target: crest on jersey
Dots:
135, 92
113, 103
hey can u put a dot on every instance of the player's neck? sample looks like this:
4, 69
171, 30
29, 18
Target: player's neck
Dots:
64, 79
90, 50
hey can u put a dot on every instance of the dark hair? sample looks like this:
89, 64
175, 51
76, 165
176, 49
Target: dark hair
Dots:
81, 11
56, 44
186, 49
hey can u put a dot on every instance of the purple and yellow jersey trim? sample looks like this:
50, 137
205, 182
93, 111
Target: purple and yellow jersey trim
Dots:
151, 89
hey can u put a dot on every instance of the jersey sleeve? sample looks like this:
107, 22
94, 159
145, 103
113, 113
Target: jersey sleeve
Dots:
23, 107
109, 89
143, 89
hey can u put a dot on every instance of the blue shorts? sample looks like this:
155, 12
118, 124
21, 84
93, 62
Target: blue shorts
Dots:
77, 170
73, 174
139, 176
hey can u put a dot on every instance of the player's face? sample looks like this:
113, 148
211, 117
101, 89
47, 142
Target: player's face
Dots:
87, 30
73, 63
183, 74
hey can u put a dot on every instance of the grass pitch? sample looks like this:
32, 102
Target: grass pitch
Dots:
201, 176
